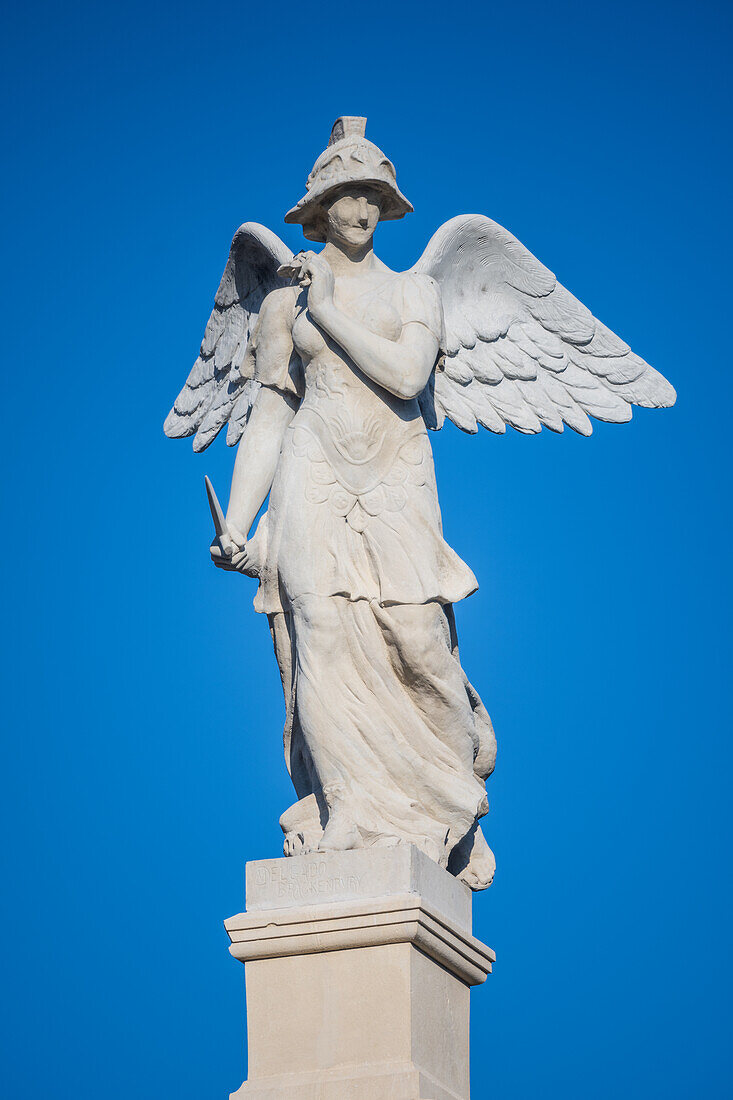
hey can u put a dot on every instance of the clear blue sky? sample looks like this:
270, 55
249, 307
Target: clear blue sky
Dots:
142, 761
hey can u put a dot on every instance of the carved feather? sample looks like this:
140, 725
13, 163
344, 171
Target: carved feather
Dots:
521, 349
215, 392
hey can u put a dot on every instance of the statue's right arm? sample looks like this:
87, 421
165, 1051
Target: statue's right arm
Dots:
274, 407
257, 456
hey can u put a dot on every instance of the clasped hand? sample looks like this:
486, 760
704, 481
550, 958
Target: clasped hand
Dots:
310, 270
232, 552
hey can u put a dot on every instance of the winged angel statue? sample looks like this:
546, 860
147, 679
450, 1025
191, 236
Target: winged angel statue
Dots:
328, 368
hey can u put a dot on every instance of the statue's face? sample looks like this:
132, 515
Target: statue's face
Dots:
353, 214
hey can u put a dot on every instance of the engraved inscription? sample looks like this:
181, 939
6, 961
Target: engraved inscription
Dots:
306, 882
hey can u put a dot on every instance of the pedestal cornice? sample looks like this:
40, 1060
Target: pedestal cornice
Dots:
404, 918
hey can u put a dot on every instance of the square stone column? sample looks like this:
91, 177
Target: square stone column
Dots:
358, 966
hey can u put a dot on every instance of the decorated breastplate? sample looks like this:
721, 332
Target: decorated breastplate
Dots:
361, 453
360, 474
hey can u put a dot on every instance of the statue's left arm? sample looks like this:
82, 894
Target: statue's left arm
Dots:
401, 366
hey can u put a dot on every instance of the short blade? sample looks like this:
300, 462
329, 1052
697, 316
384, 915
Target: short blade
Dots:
220, 524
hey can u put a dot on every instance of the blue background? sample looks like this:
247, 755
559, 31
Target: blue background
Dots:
142, 759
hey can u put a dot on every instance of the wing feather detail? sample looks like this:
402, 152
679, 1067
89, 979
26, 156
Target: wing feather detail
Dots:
216, 391
520, 349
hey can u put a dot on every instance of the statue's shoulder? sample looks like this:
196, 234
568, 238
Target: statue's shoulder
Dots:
277, 311
421, 299
281, 300
421, 281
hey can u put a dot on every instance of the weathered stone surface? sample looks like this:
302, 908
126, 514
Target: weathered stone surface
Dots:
329, 368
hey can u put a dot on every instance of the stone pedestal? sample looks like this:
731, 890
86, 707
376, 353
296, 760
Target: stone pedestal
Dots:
358, 968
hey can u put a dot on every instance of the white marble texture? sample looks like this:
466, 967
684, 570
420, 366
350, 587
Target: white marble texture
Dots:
328, 369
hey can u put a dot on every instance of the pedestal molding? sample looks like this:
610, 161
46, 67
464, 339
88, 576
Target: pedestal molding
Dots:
405, 918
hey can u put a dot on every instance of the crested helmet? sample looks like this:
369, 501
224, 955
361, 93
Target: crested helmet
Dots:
349, 158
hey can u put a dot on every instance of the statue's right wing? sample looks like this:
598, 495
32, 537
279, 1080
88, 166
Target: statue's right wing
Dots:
215, 391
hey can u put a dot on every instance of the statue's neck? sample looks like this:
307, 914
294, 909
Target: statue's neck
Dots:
354, 262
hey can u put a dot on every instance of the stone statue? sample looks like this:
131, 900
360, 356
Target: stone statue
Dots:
328, 369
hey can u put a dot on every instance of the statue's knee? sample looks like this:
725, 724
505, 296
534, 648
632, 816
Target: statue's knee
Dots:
417, 641
416, 651
319, 627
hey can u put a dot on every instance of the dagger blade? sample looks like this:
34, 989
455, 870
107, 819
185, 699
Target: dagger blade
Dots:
220, 523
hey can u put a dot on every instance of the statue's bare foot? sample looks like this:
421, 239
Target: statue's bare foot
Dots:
298, 844
340, 834
302, 827
479, 872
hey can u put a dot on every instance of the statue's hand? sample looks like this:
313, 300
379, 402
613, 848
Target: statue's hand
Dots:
315, 273
230, 552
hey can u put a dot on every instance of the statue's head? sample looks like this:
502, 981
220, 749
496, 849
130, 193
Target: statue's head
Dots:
352, 184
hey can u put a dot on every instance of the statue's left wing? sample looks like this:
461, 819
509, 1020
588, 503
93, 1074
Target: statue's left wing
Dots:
520, 349
215, 391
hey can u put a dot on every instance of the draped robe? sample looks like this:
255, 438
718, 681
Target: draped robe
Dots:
358, 585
